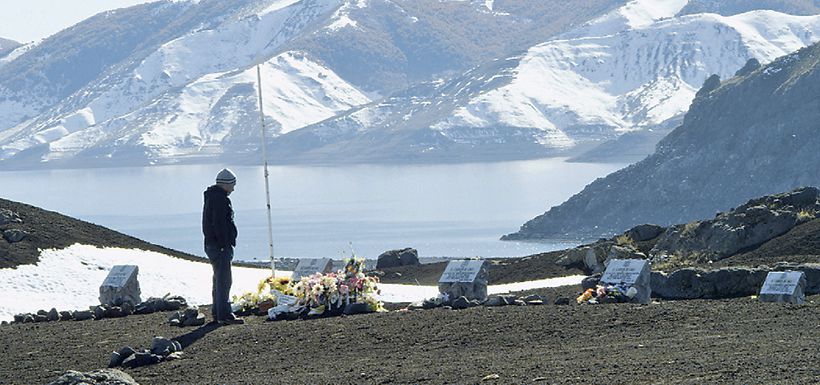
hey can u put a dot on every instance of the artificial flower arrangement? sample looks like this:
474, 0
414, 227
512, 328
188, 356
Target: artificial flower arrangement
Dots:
318, 294
607, 294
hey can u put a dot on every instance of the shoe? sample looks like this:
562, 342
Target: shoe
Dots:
232, 320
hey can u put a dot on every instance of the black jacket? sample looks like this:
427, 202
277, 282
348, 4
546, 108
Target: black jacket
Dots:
217, 219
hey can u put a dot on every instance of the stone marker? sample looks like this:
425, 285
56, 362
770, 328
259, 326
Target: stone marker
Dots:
784, 287
310, 266
466, 278
629, 273
120, 286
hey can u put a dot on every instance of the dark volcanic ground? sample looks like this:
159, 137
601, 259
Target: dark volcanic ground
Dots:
681, 342
738, 341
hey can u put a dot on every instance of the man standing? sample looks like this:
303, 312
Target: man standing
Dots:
220, 239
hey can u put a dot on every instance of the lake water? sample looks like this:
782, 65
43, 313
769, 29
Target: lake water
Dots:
442, 210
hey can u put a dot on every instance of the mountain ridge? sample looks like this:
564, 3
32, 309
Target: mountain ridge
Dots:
724, 153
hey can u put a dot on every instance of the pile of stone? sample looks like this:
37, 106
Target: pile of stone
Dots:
188, 317
166, 303
463, 302
11, 234
162, 349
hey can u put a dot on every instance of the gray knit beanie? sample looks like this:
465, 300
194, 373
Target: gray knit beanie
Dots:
226, 176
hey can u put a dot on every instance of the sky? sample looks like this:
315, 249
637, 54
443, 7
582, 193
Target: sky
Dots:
30, 20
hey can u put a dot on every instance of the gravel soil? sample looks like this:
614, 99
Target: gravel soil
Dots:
679, 342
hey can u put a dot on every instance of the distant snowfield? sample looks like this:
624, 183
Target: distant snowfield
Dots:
69, 279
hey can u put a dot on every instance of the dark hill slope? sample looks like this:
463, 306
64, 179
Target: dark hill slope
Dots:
750, 136
48, 230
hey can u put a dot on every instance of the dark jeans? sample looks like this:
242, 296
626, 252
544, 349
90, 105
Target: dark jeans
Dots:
221, 262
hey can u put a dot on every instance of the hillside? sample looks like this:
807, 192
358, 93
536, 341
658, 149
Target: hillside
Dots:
748, 136
50, 230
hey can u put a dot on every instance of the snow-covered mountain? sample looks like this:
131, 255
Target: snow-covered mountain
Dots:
174, 81
7, 46
636, 68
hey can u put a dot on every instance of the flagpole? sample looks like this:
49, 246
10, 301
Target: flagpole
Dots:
265, 159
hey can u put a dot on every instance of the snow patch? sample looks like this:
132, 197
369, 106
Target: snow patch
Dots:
69, 279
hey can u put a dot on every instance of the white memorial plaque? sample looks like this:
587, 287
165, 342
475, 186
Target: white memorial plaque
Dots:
628, 273
119, 275
625, 271
461, 271
784, 286
121, 285
311, 266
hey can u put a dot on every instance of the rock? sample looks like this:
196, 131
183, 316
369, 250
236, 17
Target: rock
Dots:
519, 302
696, 283
590, 258
461, 303
173, 303
28, 318
114, 312
191, 312
495, 300
175, 318
82, 315
7, 217
396, 258
126, 351
115, 360
4, 323
750, 66
642, 233
710, 84
418, 305
14, 235
66, 315
99, 312
141, 359
40, 318
53, 315
174, 356
357, 308
591, 281
534, 299
746, 226
162, 346
42, 312
562, 301
431, 303
198, 320
18, 318
127, 308
95, 377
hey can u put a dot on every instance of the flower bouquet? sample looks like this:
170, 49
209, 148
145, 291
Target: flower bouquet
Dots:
315, 295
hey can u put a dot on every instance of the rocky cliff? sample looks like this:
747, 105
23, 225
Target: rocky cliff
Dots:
751, 135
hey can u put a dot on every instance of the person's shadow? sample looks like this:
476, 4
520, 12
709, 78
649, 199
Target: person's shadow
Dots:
189, 338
